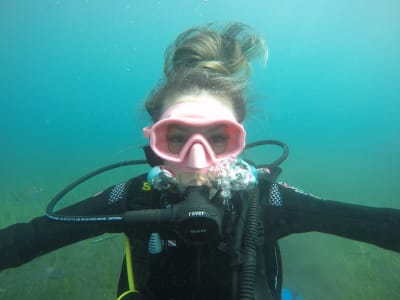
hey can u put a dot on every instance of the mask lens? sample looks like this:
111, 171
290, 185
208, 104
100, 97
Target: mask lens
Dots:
179, 135
171, 139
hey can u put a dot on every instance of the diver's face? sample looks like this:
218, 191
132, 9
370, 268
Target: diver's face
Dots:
178, 136
198, 142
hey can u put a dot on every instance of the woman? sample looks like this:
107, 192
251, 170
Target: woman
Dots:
221, 217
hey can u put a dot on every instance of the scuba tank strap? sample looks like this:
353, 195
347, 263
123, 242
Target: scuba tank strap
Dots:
270, 196
273, 263
262, 290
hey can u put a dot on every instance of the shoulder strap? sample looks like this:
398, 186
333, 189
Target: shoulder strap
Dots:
269, 266
273, 267
270, 249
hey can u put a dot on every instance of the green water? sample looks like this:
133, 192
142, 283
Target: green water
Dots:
73, 76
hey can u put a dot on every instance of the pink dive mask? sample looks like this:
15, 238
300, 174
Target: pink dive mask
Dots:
195, 123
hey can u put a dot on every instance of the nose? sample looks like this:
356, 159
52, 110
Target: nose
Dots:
197, 157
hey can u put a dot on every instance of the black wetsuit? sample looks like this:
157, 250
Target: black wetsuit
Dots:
170, 274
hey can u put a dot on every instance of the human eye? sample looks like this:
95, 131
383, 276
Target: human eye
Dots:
218, 142
176, 140
218, 138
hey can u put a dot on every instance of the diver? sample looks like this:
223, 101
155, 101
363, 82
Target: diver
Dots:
203, 223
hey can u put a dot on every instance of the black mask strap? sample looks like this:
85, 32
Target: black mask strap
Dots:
151, 157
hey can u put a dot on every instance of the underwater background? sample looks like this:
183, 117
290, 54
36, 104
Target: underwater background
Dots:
73, 78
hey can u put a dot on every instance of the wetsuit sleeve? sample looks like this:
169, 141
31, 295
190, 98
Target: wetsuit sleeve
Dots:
289, 210
20, 243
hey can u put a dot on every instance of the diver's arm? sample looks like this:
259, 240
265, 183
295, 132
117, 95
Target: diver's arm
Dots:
295, 212
20, 243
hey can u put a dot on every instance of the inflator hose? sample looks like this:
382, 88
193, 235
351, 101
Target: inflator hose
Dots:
247, 284
120, 218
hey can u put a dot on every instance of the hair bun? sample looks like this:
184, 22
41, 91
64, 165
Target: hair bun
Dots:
224, 50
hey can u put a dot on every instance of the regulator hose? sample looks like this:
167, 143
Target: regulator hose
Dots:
247, 284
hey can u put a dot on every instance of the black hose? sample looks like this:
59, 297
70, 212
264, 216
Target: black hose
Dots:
280, 159
101, 218
119, 218
237, 246
247, 285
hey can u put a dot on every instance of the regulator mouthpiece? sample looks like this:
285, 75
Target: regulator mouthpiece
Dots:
231, 174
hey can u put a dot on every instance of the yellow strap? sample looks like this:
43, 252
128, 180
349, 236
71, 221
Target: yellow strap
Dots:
129, 269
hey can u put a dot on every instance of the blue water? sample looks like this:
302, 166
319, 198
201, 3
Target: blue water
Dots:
74, 75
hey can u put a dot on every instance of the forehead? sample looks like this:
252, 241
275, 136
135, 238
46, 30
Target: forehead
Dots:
204, 102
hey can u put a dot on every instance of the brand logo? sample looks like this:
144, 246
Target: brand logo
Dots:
197, 213
146, 186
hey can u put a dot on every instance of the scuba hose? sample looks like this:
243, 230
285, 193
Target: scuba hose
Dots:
245, 257
247, 284
270, 170
195, 219
237, 248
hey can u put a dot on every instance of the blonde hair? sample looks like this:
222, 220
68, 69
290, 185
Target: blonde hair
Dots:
212, 58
